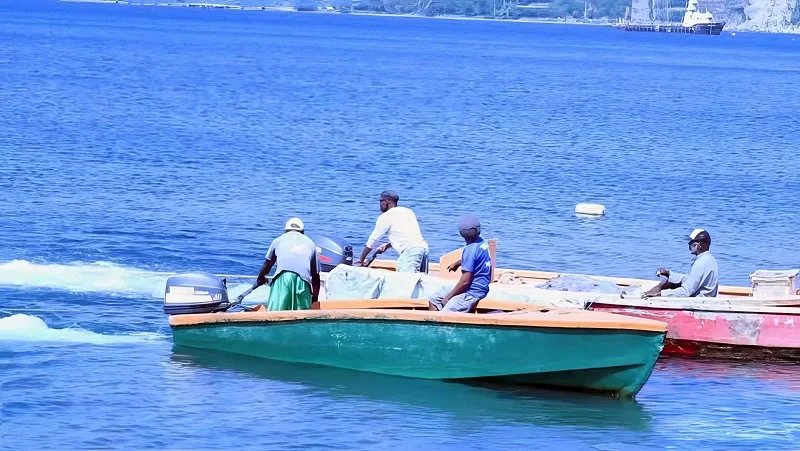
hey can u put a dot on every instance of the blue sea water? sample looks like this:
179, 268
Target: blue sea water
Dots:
140, 141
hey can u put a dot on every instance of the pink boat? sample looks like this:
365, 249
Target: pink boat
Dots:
718, 328
736, 324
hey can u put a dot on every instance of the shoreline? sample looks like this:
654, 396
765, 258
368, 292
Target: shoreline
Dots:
737, 28
553, 20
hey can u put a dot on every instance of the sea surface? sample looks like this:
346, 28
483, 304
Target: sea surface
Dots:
141, 141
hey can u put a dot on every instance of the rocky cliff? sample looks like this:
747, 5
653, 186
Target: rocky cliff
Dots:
779, 16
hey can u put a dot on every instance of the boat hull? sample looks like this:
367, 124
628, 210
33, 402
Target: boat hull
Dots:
710, 28
601, 360
714, 28
732, 325
731, 332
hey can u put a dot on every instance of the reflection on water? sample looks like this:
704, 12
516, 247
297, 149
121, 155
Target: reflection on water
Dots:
784, 374
475, 400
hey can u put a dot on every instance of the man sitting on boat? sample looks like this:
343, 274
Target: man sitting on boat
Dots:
703, 277
476, 271
400, 224
296, 283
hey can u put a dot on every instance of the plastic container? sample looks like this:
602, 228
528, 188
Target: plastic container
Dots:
767, 283
590, 209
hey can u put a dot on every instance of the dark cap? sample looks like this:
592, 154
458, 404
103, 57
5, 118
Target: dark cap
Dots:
391, 195
700, 235
468, 222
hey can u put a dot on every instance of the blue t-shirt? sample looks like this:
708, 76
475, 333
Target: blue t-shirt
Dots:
476, 259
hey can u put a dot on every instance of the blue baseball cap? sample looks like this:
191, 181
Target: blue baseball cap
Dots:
468, 222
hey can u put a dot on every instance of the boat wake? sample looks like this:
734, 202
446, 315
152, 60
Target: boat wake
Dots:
28, 328
100, 277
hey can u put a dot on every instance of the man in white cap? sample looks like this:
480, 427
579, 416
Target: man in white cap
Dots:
296, 282
402, 228
703, 277
476, 272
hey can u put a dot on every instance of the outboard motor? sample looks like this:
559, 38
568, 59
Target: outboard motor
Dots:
195, 293
332, 252
207, 293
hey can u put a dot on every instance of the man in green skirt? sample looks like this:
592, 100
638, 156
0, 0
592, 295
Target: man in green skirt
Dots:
296, 282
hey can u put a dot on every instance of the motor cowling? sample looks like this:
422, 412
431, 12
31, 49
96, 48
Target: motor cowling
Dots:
207, 293
195, 293
332, 252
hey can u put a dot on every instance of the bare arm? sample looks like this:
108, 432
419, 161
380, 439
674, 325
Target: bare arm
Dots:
315, 280
265, 269
663, 285
364, 254
381, 249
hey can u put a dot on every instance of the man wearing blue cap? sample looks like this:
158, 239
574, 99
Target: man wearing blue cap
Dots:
703, 277
476, 272
401, 226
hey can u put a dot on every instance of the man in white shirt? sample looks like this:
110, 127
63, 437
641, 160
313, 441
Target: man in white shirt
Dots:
402, 228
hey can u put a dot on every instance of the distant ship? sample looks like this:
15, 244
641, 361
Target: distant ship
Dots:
694, 22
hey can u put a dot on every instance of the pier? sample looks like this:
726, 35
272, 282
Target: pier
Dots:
658, 28
709, 28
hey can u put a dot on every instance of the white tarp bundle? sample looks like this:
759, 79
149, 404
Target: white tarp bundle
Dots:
585, 284
352, 282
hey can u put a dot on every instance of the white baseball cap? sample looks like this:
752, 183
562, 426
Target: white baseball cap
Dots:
699, 235
294, 224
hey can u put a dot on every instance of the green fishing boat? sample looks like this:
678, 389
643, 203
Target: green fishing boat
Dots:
503, 342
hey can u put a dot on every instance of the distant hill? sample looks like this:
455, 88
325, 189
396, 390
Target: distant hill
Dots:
746, 15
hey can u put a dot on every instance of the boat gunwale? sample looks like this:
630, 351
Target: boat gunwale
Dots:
727, 290
545, 318
691, 305
406, 321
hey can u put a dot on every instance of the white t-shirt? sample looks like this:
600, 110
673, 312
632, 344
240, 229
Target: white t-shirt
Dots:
401, 225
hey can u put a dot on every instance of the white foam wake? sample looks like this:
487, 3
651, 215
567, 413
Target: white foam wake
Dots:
101, 277
32, 329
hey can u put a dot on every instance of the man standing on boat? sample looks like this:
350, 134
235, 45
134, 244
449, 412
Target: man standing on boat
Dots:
703, 277
402, 228
476, 272
296, 282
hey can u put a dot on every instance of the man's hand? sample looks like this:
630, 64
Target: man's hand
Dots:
652, 293
662, 272
382, 248
454, 266
445, 300
261, 280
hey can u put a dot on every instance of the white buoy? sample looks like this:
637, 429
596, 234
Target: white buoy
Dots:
590, 209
